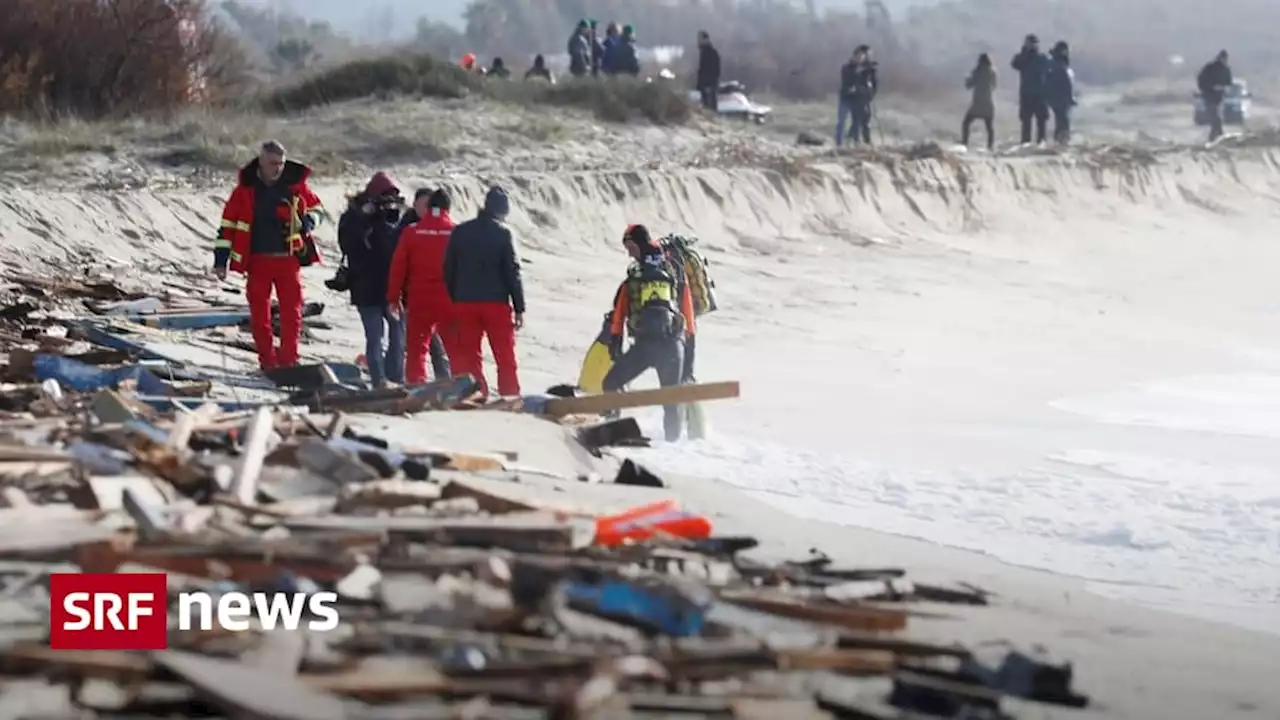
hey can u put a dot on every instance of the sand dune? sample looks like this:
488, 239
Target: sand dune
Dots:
1063, 361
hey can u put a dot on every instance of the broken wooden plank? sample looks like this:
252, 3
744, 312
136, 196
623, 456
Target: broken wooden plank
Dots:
245, 691
675, 395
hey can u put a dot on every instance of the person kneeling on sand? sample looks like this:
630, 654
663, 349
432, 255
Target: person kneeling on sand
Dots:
416, 286
655, 307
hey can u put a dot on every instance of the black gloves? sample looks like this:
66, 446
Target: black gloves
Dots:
615, 347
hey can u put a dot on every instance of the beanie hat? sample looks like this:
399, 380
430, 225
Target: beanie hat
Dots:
380, 184
496, 202
438, 202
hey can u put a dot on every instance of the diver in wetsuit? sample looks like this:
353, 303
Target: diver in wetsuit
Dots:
655, 307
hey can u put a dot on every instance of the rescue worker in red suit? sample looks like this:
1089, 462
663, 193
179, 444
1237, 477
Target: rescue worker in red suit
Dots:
416, 286
266, 233
482, 274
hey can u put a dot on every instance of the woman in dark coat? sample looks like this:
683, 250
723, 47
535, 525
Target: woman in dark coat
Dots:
368, 232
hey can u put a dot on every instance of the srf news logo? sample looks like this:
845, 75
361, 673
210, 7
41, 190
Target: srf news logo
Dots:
130, 611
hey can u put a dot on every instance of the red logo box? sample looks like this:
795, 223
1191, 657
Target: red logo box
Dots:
108, 611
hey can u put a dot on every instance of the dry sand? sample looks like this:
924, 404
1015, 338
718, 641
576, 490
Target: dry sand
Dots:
918, 314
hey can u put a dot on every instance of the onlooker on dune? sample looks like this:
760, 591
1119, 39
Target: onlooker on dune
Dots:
982, 81
858, 85
708, 71
498, 69
1033, 70
627, 59
579, 49
367, 235
597, 49
1213, 81
612, 36
539, 70
1060, 91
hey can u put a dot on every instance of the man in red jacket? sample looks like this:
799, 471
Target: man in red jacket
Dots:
266, 233
417, 272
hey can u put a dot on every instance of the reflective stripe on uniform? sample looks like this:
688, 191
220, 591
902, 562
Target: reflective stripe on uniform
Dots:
295, 243
235, 225
236, 257
659, 290
220, 243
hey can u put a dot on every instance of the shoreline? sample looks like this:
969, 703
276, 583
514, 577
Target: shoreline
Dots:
1134, 661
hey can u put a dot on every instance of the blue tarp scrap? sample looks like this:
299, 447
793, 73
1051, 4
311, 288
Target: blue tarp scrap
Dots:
81, 377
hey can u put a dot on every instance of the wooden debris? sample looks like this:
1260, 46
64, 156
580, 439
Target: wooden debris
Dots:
469, 583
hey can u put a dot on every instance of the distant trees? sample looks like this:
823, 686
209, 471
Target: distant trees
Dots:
93, 58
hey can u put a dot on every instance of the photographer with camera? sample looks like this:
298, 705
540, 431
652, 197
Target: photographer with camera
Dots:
367, 234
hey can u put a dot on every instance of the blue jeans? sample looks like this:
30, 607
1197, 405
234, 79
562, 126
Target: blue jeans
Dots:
377, 323
859, 111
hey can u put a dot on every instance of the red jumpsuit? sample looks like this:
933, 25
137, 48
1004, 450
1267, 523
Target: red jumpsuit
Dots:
298, 213
417, 279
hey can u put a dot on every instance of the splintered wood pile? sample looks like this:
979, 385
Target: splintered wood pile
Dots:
468, 582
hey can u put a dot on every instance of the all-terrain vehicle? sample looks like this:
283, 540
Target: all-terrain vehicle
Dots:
1235, 105
733, 101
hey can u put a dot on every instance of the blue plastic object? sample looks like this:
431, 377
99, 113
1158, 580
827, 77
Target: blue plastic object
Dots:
657, 610
75, 375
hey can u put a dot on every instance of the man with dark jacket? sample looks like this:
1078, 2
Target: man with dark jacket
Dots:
858, 86
626, 60
1033, 71
612, 37
1060, 91
579, 49
1213, 81
482, 276
266, 233
708, 71
367, 235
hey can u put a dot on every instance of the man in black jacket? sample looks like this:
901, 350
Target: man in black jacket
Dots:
367, 234
1213, 81
708, 71
858, 86
1033, 75
482, 274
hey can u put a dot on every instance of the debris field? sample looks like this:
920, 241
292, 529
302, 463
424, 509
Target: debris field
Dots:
471, 583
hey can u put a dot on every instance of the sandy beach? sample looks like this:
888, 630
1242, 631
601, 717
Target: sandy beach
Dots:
964, 365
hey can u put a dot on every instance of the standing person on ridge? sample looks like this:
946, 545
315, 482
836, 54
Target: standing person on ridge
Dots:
626, 56
416, 287
579, 49
266, 233
859, 82
655, 307
612, 36
1033, 71
982, 81
367, 236
1213, 81
483, 277
708, 71
1060, 91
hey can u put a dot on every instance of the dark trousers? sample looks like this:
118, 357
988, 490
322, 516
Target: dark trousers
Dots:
855, 111
986, 121
1215, 119
439, 358
666, 356
1036, 109
710, 97
1061, 124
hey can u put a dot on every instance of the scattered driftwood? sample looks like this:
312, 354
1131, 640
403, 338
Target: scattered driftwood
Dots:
464, 590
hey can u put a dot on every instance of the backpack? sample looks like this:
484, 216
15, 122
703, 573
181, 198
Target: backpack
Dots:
693, 265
